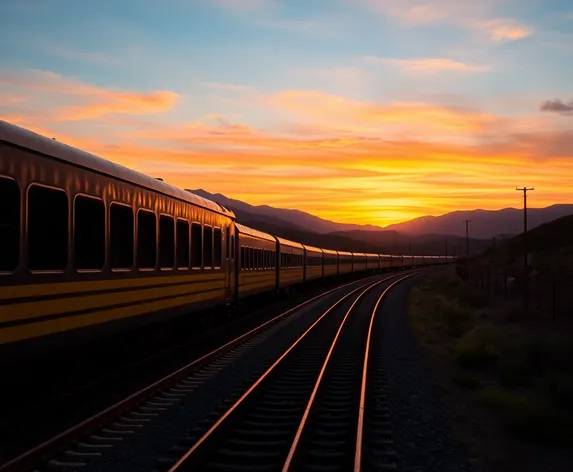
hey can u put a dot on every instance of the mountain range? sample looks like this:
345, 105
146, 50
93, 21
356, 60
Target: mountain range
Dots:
485, 224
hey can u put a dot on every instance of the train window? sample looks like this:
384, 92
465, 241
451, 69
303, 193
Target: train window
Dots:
243, 258
47, 228
218, 247
89, 233
196, 246
182, 231
207, 246
9, 224
146, 239
166, 242
232, 246
228, 242
120, 236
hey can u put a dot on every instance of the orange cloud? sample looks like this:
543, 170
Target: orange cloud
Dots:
504, 30
370, 117
347, 160
428, 65
472, 15
95, 102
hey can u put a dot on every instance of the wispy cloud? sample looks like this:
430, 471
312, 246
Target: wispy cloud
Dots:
82, 101
428, 65
504, 29
378, 118
91, 57
478, 16
558, 106
339, 158
242, 5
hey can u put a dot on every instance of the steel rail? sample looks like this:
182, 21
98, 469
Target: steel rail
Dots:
361, 407
182, 462
58, 443
312, 397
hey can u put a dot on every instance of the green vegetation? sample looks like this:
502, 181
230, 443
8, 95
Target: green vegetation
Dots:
506, 359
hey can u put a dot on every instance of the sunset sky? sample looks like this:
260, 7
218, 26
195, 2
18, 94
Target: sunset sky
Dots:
362, 111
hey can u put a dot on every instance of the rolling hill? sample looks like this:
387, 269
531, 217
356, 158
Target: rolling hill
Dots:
485, 224
550, 246
296, 218
350, 239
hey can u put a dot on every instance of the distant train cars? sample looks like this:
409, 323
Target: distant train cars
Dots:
90, 247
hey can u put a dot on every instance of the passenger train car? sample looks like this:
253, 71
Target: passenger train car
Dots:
89, 247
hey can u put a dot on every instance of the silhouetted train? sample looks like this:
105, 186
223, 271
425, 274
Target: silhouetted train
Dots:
89, 247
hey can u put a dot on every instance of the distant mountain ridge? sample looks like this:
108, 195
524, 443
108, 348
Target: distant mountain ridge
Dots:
485, 224
298, 218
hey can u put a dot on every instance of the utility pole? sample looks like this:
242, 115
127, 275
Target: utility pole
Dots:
468, 249
468, 239
525, 277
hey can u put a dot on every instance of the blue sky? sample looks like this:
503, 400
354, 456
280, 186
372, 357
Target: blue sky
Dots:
468, 75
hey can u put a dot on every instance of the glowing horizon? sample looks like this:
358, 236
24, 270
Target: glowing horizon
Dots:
362, 111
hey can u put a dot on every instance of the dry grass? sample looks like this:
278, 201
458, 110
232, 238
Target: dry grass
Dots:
499, 357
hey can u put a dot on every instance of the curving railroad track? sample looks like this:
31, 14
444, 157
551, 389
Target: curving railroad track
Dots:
308, 410
303, 391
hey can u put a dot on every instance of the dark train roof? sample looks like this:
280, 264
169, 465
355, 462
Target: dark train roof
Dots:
287, 242
28, 139
312, 248
254, 232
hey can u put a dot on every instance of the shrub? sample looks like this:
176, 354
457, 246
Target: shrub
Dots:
559, 385
472, 296
466, 381
513, 369
500, 399
515, 311
457, 318
542, 424
477, 348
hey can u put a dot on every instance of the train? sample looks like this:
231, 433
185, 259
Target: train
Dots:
90, 247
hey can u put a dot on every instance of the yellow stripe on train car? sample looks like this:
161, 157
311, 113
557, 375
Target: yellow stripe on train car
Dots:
251, 287
36, 309
43, 328
39, 290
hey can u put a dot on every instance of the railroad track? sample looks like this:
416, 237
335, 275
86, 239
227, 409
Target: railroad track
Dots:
310, 409
86, 443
